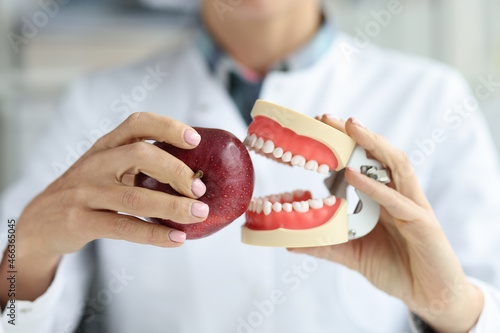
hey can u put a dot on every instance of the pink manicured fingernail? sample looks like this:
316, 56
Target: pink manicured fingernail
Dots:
198, 187
192, 137
199, 209
177, 236
354, 170
331, 116
357, 122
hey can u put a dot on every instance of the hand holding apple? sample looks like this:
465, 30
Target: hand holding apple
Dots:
224, 165
83, 204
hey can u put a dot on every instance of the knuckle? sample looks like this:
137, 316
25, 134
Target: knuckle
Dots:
372, 191
174, 206
155, 235
79, 194
401, 163
74, 221
168, 122
123, 227
141, 150
379, 141
137, 118
87, 164
170, 125
181, 171
75, 196
132, 198
73, 216
179, 209
394, 201
101, 142
402, 158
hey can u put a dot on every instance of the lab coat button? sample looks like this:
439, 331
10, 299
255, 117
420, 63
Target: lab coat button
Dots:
26, 310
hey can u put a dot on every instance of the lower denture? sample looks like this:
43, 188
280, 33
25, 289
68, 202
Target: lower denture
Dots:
290, 211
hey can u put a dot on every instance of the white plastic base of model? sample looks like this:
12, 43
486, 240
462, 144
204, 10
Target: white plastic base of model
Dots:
332, 232
340, 143
360, 222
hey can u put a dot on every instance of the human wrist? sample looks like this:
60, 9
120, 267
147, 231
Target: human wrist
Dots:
453, 314
36, 270
35, 251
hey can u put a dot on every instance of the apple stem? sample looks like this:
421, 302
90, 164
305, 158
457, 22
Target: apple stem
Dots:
199, 174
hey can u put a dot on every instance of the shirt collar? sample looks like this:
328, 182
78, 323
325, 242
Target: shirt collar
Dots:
220, 63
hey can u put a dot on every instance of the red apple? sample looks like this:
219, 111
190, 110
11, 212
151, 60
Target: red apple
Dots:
227, 173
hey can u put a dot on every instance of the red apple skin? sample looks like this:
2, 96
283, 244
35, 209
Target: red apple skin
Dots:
228, 175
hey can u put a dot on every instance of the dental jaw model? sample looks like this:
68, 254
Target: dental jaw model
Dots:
296, 219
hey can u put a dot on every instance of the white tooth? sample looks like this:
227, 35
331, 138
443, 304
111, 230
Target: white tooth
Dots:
298, 160
278, 152
300, 206
259, 143
316, 203
287, 157
267, 208
274, 198
252, 140
277, 207
298, 193
247, 140
287, 207
268, 147
323, 169
311, 165
330, 201
252, 204
258, 206
287, 196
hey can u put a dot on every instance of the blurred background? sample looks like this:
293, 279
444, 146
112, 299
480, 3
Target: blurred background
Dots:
64, 39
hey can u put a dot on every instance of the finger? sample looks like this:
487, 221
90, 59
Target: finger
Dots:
150, 126
389, 223
154, 162
148, 203
399, 206
128, 179
403, 176
333, 121
129, 228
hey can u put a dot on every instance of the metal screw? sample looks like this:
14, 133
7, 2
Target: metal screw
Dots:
352, 233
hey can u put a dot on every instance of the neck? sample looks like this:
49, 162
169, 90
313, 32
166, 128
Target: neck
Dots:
259, 43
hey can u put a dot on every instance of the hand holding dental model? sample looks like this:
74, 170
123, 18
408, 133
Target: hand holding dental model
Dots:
407, 255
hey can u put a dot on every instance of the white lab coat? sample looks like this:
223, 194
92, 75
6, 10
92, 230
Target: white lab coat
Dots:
218, 284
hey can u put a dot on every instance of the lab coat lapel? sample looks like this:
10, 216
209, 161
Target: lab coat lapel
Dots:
212, 106
316, 89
